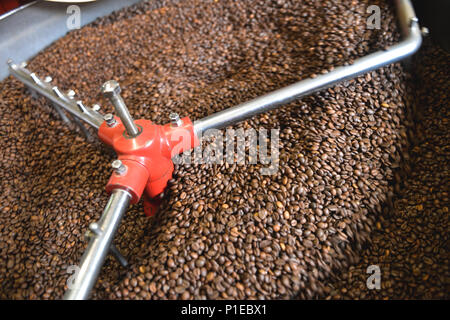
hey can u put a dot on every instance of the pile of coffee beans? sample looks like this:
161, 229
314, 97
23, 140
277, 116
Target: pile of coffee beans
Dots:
411, 237
223, 231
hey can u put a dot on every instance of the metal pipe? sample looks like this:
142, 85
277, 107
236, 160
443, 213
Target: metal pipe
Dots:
410, 44
124, 115
99, 246
111, 90
90, 116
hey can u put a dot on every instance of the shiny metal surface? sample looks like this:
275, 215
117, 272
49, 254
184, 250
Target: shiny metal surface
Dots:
16, 10
99, 245
175, 119
54, 94
111, 90
110, 120
118, 166
412, 40
119, 257
94, 230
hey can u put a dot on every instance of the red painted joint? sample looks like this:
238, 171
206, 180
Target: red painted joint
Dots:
147, 157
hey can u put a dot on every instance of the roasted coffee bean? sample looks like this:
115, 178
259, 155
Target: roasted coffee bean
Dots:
409, 238
362, 175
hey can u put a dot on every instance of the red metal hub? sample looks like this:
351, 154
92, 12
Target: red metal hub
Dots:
147, 157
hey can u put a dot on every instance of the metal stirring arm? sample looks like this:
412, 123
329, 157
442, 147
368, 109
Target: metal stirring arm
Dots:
59, 99
412, 39
100, 243
100, 234
411, 42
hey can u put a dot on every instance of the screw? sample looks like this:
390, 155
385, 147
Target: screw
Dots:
48, 79
118, 167
110, 120
175, 119
96, 107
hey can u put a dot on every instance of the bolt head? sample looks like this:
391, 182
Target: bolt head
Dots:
116, 164
111, 88
118, 167
108, 117
110, 120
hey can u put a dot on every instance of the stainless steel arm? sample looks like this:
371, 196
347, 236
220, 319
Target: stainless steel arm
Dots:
99, 246
410, 44
59, 99
111, 90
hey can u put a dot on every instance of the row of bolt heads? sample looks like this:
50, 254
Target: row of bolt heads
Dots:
111, 121
109, 118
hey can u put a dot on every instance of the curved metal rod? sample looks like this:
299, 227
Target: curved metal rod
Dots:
409, 45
